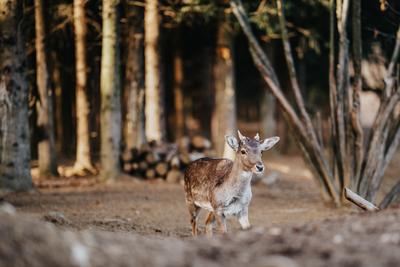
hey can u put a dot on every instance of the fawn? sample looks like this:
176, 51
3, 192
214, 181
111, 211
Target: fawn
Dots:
222, 186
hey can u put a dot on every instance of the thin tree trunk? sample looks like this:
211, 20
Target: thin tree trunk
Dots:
83, 156
58, 112
110, 117
268, 103
46, 149
268, 120
134, 88
342, 94
178, 95
357, 88
154, 112
224, 115
14, 124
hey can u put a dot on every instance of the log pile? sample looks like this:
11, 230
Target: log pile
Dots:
165, 161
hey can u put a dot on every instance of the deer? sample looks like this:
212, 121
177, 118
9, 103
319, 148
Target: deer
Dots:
222, 186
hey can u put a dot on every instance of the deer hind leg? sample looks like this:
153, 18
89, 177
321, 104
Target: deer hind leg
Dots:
194, 212
210, 221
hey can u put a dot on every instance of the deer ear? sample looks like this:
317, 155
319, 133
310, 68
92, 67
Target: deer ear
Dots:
269, 143
232, 142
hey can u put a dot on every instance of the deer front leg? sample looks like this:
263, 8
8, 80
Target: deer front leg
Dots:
244, 219
210, 221
221, 220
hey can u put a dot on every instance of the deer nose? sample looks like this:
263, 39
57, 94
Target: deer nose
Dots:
259, 167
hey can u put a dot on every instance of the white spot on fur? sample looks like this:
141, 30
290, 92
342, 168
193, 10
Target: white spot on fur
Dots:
204, 205
80, 254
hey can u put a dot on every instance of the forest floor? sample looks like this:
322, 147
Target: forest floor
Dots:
291, 207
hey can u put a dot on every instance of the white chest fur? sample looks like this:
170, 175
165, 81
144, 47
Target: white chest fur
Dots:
234, 197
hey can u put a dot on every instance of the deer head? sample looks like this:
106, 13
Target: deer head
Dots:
249, 150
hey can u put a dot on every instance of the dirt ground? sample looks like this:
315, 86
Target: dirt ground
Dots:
290, 211
158, 208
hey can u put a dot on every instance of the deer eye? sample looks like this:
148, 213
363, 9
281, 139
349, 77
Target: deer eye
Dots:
243, 152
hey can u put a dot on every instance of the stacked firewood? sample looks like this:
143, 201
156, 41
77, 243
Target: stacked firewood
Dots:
165, 161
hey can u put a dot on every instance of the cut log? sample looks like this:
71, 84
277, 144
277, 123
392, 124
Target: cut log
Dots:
150, 173
161, 168
200, 143
127, 156
184, 159
151, 158
196, 155
143, 166
174, 176
359, 201
135, 167
175, 162
127, 167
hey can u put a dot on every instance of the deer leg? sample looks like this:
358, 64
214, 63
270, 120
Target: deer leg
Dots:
194, 212
210, 221
221, 220
244, 219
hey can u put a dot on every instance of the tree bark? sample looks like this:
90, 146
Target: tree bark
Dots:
110, 117
357, 88
134, 87
268, 103
268, 120
83, 156
45, 121
178, 95
155, 126
58, 99
14, 124
224, 113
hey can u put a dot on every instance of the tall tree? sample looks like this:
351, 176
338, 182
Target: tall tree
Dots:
155, 124
110, 117
224, 113
14, 130
45, 120
134, 82
83, 159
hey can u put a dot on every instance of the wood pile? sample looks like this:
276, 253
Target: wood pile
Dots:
165, 161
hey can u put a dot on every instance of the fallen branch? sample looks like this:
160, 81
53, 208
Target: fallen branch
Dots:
359, 201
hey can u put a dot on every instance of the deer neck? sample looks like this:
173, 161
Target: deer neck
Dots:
239, 173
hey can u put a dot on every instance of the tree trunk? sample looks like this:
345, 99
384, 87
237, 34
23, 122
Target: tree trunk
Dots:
134, 88
268, 123
178, 95
83, 156
45, 121
14, 125
224, 114
58, 112
110, 117
155, 130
